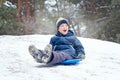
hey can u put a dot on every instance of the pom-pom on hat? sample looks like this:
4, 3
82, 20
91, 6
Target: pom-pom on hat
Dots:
60, 21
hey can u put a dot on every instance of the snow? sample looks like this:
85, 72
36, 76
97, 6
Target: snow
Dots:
51, 2
9, 4
102, 60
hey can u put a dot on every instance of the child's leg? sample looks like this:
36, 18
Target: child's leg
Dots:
36, 53
59, 57
47, 56
41, 56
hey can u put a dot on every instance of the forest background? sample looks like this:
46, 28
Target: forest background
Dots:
99, 19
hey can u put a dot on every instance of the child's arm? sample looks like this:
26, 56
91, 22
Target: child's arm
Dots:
79, 49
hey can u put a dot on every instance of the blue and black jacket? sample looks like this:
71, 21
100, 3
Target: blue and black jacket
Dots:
67, 43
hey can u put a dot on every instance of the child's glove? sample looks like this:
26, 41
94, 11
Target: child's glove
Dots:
81, 56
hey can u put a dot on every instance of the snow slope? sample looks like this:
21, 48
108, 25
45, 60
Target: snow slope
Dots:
102, 60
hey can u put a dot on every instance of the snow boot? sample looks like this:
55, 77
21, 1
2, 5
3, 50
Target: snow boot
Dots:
36, 53
48, 54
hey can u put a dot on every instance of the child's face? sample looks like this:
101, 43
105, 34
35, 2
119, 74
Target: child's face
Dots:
63, 29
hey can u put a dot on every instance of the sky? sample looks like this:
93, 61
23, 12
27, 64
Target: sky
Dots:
102, 60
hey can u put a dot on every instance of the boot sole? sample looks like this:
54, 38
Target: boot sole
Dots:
48, 48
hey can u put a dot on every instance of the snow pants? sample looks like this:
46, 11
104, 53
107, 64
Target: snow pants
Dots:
59, 57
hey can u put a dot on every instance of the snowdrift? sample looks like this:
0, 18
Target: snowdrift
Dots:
102, 60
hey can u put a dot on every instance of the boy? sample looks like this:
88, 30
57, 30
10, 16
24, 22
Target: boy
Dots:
63, 46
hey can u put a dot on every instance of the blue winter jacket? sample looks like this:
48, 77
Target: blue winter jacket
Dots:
67, 43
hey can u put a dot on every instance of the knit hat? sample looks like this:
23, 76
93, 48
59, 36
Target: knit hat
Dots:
61, 21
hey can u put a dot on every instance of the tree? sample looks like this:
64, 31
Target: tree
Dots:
99, 17
111, 30
8, 25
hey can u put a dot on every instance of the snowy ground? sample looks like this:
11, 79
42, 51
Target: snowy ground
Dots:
102, 60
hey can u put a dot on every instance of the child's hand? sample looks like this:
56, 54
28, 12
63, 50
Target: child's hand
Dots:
81, 56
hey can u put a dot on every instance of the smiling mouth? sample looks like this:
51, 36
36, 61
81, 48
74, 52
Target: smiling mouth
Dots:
64, 30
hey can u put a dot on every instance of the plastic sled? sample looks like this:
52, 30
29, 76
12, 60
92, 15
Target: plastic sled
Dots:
70, 62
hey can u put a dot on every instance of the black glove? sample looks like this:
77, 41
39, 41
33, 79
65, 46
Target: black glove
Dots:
81, 56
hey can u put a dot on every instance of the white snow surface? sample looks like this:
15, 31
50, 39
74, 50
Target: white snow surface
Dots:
102, 60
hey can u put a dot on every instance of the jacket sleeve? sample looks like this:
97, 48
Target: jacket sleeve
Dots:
52, 43
78, 47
